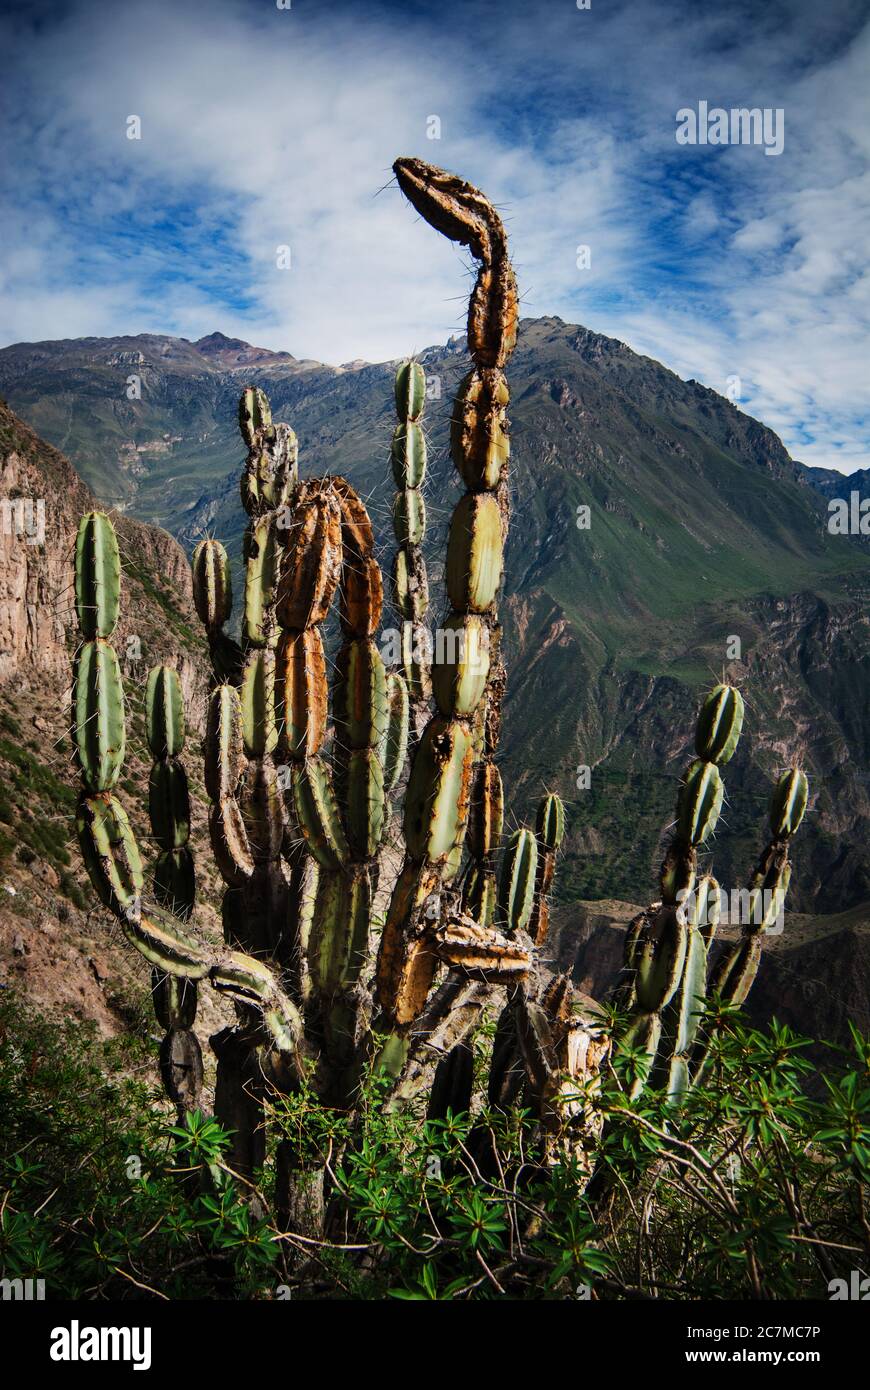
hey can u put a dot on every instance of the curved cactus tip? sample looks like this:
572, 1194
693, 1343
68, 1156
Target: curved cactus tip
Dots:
788, 803
450, 205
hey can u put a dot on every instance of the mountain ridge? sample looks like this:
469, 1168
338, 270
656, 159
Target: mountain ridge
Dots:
703, 530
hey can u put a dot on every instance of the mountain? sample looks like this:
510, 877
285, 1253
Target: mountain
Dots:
830, 483
702, 530
148, 421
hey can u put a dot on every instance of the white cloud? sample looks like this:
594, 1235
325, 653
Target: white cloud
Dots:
278, 126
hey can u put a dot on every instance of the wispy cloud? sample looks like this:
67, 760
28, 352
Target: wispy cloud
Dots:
264, 127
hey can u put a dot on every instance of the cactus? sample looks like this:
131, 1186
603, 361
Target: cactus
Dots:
469, 688
410, 580
665, 953
108, 842
175, 997
302, 790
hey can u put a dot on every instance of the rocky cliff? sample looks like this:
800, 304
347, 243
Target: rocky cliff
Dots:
54, 941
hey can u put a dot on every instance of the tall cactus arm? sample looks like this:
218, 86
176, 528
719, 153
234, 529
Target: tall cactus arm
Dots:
410, 580
735, 971
175, 997
247, 821
320, 550
339, 805
666, 955
468, 686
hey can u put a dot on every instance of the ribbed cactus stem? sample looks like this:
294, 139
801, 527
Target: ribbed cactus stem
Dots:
175, 997
665, 951
410, 581
470, 682
108, 844
682, 1017
550, 832
737, 966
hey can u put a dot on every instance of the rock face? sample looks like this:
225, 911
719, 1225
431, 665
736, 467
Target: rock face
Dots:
40, 494
42, 498
706, 552
54, 942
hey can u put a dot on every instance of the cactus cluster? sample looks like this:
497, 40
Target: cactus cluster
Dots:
666, 950
305, 778
108, 843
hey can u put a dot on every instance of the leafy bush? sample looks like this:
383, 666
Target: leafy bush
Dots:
752, 1189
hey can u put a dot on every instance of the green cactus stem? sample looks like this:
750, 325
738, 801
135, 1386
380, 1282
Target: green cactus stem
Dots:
410, 582
468, 695
97, 576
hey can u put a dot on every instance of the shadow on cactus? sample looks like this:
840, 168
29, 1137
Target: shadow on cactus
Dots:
314, 784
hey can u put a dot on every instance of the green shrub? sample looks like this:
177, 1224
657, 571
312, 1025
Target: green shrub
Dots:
753, 1189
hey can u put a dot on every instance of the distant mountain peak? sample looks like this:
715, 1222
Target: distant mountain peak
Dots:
219, 342
218, 346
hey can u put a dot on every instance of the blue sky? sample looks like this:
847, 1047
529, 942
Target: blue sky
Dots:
264, 127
